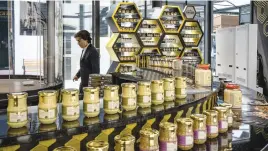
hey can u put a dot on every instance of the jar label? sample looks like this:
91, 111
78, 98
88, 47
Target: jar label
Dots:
131, 101
73, 110
223, 124
168, 146
170, 93
113, 105
180, 91
50, 113
230, 120
17, 117
93, 107
200, 135
157, 96
144, 98
212, 129
185, 140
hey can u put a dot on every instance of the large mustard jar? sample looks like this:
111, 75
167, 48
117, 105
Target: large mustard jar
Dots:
200, 129
180, 87
144, 94
91, 101
70, 104
47, 107
168, 136
231, 88
203, 75
230, 114
212, 123
222, 119
157, 87
65, 148
129, 96
149, 140
111, 99
185, 133
169, 89
17, 111
97, 145
124, 143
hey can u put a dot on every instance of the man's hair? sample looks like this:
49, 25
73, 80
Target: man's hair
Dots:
83, 34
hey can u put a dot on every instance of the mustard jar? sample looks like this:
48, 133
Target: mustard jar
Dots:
124, 142
222, 119
70, 104
149, 140
185, 133
97, 145
212, 123
169, 89
64, 148
111, 99
168, 136
144, 94
229, 113
91, 101
200, 129
47, 107
129, 96
203, 75
180, 87
17, 110
157, 87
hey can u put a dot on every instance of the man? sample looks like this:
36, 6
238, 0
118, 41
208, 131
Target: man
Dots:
89, 60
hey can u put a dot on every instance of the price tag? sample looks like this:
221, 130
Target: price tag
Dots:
159, 96
18, 117
46, 114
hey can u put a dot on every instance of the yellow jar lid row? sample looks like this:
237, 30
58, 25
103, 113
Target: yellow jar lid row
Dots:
69, 91
111, 87
146, 83
17, 95
124, 139
211, 113
168, 126
47, 93
149, 132
187, 121
97, 144
91, 89
129, 85
157, 81
200, 117
220, 109
65, 148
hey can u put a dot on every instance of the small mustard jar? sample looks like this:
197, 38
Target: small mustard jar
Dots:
149, 140
129, 96
47, 107
124, 142
169, 89
157, 87
70, 104
111, 99
144, 94
180, 87
212, 123
222, 118
64, 148
168, 136
17, 110
229, 113
91, 101
97, 145
200, 129
185, 133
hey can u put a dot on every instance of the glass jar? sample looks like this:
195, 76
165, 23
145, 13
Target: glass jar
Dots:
212, 123
91, 101
129, 96
47, 107
180, 87
200, 128
222, 119
97, 145
64, 148
229, 88
169, 89
17, 110
230, 114
168, 136
129, 114
203, 75
111, 99
157, 87
70, 104
149, 140
124, 142
144, 94
185, 133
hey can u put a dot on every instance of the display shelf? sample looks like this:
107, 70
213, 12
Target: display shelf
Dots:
171, 18
191, 33
171, 45
150, 32
191, 56
124, 17
126, 68
123, 47
143, 59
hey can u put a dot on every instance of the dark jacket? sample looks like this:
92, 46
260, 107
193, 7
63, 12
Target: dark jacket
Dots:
89, 64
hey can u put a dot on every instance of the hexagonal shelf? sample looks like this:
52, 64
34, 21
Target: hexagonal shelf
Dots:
150, 32
145, 54
126, 67
191, 33
123, 47
171, 45
149, 51
124, 17
189, 12
191, 56
171, 18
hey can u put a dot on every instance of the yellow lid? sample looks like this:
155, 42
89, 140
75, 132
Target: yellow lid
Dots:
65, 148
211, 113
168, 126
95, 145
69, 91
17, 95
124, 139
91, 89
146, 83
111, 87
129, 85
47, 93
148, 132
220, 108
157, 81
168, 79
199, 117
187, 121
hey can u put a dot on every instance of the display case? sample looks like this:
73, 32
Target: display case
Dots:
191, 33
171, 45
150, 32
127, 68
192, 56
123, 47
144, 57
124, 17
171, 18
